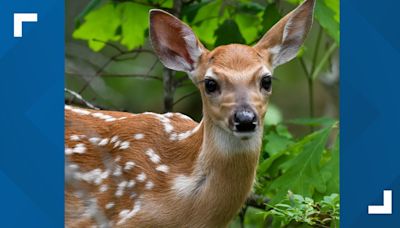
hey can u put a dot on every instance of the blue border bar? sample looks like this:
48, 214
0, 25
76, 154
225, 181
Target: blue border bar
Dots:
370, 111
31, 116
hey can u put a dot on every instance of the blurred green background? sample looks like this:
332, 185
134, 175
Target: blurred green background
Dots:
110, 63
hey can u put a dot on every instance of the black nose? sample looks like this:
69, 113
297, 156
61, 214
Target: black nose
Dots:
245, 120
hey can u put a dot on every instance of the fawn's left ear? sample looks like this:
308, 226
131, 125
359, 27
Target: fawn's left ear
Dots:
174, 42
282, 42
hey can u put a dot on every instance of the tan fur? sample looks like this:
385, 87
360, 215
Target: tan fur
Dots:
153, 170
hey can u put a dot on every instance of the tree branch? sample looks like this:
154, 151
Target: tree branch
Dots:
184, 97
80, 98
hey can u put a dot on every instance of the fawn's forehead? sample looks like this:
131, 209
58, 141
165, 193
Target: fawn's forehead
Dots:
235, 62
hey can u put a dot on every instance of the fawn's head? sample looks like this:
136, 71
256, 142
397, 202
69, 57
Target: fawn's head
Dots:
234, 80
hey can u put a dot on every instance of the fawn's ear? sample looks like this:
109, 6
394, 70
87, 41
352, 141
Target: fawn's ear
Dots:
174, 42
282, 42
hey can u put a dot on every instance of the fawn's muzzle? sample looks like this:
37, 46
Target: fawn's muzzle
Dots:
245, 120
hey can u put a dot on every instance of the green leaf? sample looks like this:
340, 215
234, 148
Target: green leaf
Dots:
304, 175
228, 33
134, 21
273, 116
295, 1
167, 3
327, 14
330, 170
249, 7
282, 130
100, 24
189, 12
276, 143
323, 121
249, 26
267, 163
206, 22
324, 60
89, 7
271, 16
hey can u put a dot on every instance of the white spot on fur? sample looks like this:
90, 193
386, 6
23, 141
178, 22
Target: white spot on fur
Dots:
117, 144
97, 114
184, 135
118, 171
68, 151
94, 140
73, 167
103, 188
120, 188
131, 183
138, 136
103, 142
133, 195
123, 213
124, 145
75, 138
168, 114
77, 110
117, 159
162, 168
129, 165
79, 148
127, 214
149, 185
95, 176
165, 121
141, 177
153, 156
110, 119
110, 205
114, 139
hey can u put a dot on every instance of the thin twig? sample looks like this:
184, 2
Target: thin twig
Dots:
184, 97
152, 66
143, 76
316, 50
79, 97
310, 78
96, 74
257, 201
109, 44
304, 66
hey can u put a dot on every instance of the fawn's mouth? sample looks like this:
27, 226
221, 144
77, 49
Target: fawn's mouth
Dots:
245, 134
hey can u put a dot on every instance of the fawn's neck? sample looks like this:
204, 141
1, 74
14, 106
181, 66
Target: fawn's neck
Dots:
223, 174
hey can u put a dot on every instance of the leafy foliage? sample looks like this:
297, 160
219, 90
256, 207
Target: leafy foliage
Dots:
134, 23
298, 209
304, 166
100, 24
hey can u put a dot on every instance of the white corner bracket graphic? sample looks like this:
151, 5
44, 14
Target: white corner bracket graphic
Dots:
20, 18
386, 208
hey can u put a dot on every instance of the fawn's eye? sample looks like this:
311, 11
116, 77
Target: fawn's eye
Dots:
266, 82
211, 85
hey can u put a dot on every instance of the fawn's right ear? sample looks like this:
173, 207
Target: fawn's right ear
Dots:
174, 42
281, 43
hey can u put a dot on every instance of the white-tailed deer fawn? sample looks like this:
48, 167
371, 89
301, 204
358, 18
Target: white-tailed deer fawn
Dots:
165, 170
